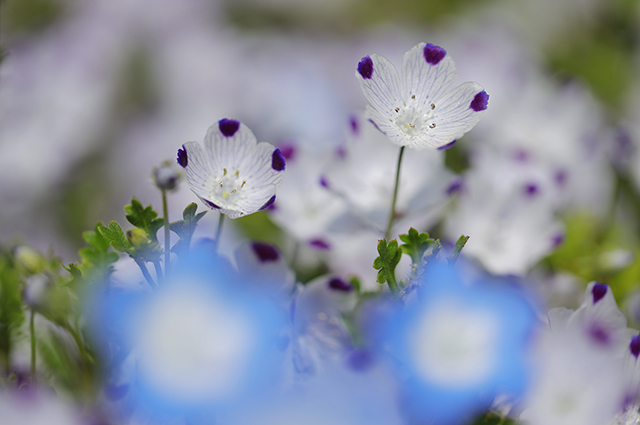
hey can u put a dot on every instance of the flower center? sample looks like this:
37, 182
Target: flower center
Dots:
455, 346
228, 185
414, 120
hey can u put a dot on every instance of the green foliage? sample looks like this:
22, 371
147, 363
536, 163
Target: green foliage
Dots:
96, 259
592, 249
144, 218
116, 237
460, 243
141, 243
31, 15
11, 312
386, 263
492, 418
415, 244
186, 227
69, 367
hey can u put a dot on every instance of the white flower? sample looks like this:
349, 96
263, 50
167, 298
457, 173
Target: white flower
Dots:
233, 173
420, 108
579, 376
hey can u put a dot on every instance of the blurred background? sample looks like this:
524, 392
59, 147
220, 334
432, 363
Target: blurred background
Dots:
94, 94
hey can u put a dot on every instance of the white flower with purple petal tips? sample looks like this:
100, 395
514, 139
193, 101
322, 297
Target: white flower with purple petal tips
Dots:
233, 173
420, 108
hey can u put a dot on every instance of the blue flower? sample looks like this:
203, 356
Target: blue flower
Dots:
201, 342
457, 346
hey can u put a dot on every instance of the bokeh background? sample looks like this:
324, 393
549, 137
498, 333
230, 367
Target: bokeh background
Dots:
94, 94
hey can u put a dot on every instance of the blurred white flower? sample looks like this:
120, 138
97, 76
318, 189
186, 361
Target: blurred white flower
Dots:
37, 408
420, 108
506, 206
579, 375
233, 173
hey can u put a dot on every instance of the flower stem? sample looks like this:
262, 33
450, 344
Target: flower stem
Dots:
167, 234
156, 265
392, 213
219, 231
145, 272
32, 330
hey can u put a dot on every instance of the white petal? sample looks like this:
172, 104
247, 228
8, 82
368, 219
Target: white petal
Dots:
427, 82
226, 151
382, 89
198, 169
454, 116
233, 172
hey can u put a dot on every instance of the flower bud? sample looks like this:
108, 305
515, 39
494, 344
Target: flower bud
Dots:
166, 176
138, 237
29, 258
35, 289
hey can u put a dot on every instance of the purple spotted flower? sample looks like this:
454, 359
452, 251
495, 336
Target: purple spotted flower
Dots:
233, 173
420, 107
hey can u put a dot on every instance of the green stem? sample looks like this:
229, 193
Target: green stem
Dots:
392, 213
219, 231
32, 329
159, 276
145, 272
79, 343
167, 234
393, 284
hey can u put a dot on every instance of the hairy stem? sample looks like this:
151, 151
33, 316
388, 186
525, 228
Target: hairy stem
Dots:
32, 329
392, 213
145, 272
167, 234
219, 231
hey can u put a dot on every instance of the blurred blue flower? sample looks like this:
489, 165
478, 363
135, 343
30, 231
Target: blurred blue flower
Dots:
455, 347
202, 343
339, 396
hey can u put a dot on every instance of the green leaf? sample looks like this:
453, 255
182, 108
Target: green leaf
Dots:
462, 240
386, 263
96, 259
186, 227
144, 218
415, 244
11, 312
116, 237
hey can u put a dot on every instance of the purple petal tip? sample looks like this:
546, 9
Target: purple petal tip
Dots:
340, 285
228, 127
182, 157
265, 252
634, 346
598, 291
480, 101
268, 203
365, 67
211, 204
277, 160
434, 54
288, 151
531, 189
319, 244
355, 126
454, 187
447, 146
557, 240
